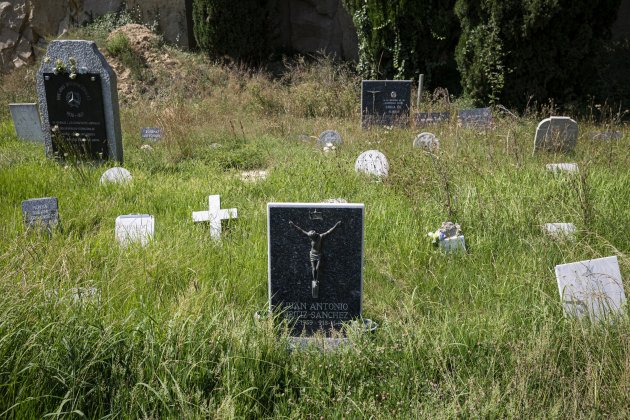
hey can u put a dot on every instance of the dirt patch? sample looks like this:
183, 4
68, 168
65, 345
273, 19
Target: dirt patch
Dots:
155, 58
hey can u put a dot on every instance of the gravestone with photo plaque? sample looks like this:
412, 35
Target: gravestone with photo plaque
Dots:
315, 265
41, 213
26, 122
385, 102
78, 100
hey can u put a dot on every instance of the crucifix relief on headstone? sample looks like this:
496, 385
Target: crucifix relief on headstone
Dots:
214, 215
315, 265
385, 102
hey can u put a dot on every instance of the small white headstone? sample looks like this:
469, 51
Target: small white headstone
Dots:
562, 167
427, 141
336, 201
556, 134
329, 137
115, 175
591, 288
372, 162
214, 215
26, 121
560, 230
135, 228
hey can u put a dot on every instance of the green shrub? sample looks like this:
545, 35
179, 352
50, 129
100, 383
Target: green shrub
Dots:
404, 38
517, 51
236, 29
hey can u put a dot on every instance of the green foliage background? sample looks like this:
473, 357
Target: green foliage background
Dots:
236, 29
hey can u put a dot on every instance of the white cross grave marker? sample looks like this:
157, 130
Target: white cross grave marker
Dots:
214, 215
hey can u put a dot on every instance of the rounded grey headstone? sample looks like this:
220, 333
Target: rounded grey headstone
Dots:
426, 141
116, 175
372, 162
329, 136
556, 134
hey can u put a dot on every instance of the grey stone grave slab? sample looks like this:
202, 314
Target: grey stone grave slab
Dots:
563, 167
479, 118
315, 265
331, 137
151, 133
557, 134
605, 135
427, 141
560, 230
372, 162
428, 118
591, 288
78, 100
41, 213
26, 122
385, 102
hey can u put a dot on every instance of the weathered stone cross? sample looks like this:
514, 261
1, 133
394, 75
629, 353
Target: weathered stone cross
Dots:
214, 215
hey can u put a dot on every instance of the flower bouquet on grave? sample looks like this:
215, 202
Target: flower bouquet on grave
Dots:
448, 236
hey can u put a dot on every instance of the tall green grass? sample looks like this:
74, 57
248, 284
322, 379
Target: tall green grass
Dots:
173, 334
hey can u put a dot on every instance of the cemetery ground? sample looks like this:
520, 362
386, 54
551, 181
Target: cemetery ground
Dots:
171, 330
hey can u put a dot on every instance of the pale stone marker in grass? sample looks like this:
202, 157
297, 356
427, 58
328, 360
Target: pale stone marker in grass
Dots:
591, 288
26, 121
427, 141
214, 215
115, 175
329, 137
560, 230
41, 213
315, 265
558, 134
133, 228
562, 167
606, 135
372, 162
253, 176
427, 118
78, 100
449, 238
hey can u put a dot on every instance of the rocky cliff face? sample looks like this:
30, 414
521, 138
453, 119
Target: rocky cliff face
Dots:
25, 23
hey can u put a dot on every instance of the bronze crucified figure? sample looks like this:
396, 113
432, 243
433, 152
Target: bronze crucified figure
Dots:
316, 252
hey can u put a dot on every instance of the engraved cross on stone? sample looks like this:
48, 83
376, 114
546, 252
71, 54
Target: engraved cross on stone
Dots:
214, 215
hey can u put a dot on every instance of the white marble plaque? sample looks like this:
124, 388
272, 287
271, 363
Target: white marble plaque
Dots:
454, 244
560, 230
563, 167
135, 228
591, 288
26, 121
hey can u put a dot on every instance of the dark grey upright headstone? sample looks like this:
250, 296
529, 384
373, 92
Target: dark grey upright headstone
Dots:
295, 248
78, 100
41, 213
385, 102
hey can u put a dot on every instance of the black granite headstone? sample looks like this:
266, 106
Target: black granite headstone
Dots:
315, 264
479, 118
385, 102
41, 213
76, 115
426, 118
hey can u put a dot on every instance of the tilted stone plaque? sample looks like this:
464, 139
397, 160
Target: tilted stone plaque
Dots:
41, 213
591, 288
427, 118
385, 102
315, 265
479, 118
78, 100
26, 122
